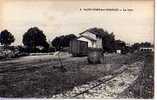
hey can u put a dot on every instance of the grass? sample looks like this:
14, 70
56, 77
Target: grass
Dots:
47, 81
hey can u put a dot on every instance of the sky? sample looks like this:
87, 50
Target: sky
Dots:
62, 17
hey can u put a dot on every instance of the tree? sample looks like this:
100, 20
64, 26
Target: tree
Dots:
63, 41
35, 37
67, 39
135, 46
6, 38
108, 41
57, 42
145, 44
121, 45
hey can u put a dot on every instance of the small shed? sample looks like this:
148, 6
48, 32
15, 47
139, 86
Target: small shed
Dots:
78, 48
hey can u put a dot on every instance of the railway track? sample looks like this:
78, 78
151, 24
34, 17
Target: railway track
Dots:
85, 90
99, 82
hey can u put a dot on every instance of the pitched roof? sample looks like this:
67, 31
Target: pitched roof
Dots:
96, 31
89, 38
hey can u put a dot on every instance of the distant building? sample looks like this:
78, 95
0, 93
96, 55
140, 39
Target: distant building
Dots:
147, 49
118, 51
93, 38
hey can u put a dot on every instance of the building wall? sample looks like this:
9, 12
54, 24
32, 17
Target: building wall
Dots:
89, 42
118, 51
99, 43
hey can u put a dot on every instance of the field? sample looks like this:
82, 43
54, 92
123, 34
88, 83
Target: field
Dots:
40, 76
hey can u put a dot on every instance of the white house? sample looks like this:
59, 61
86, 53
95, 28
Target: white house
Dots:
93, 38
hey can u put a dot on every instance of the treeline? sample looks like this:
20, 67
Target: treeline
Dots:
34, 40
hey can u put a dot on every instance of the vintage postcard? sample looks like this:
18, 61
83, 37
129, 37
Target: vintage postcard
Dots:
77, 49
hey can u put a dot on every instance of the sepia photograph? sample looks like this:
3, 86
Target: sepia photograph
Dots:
77, 49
